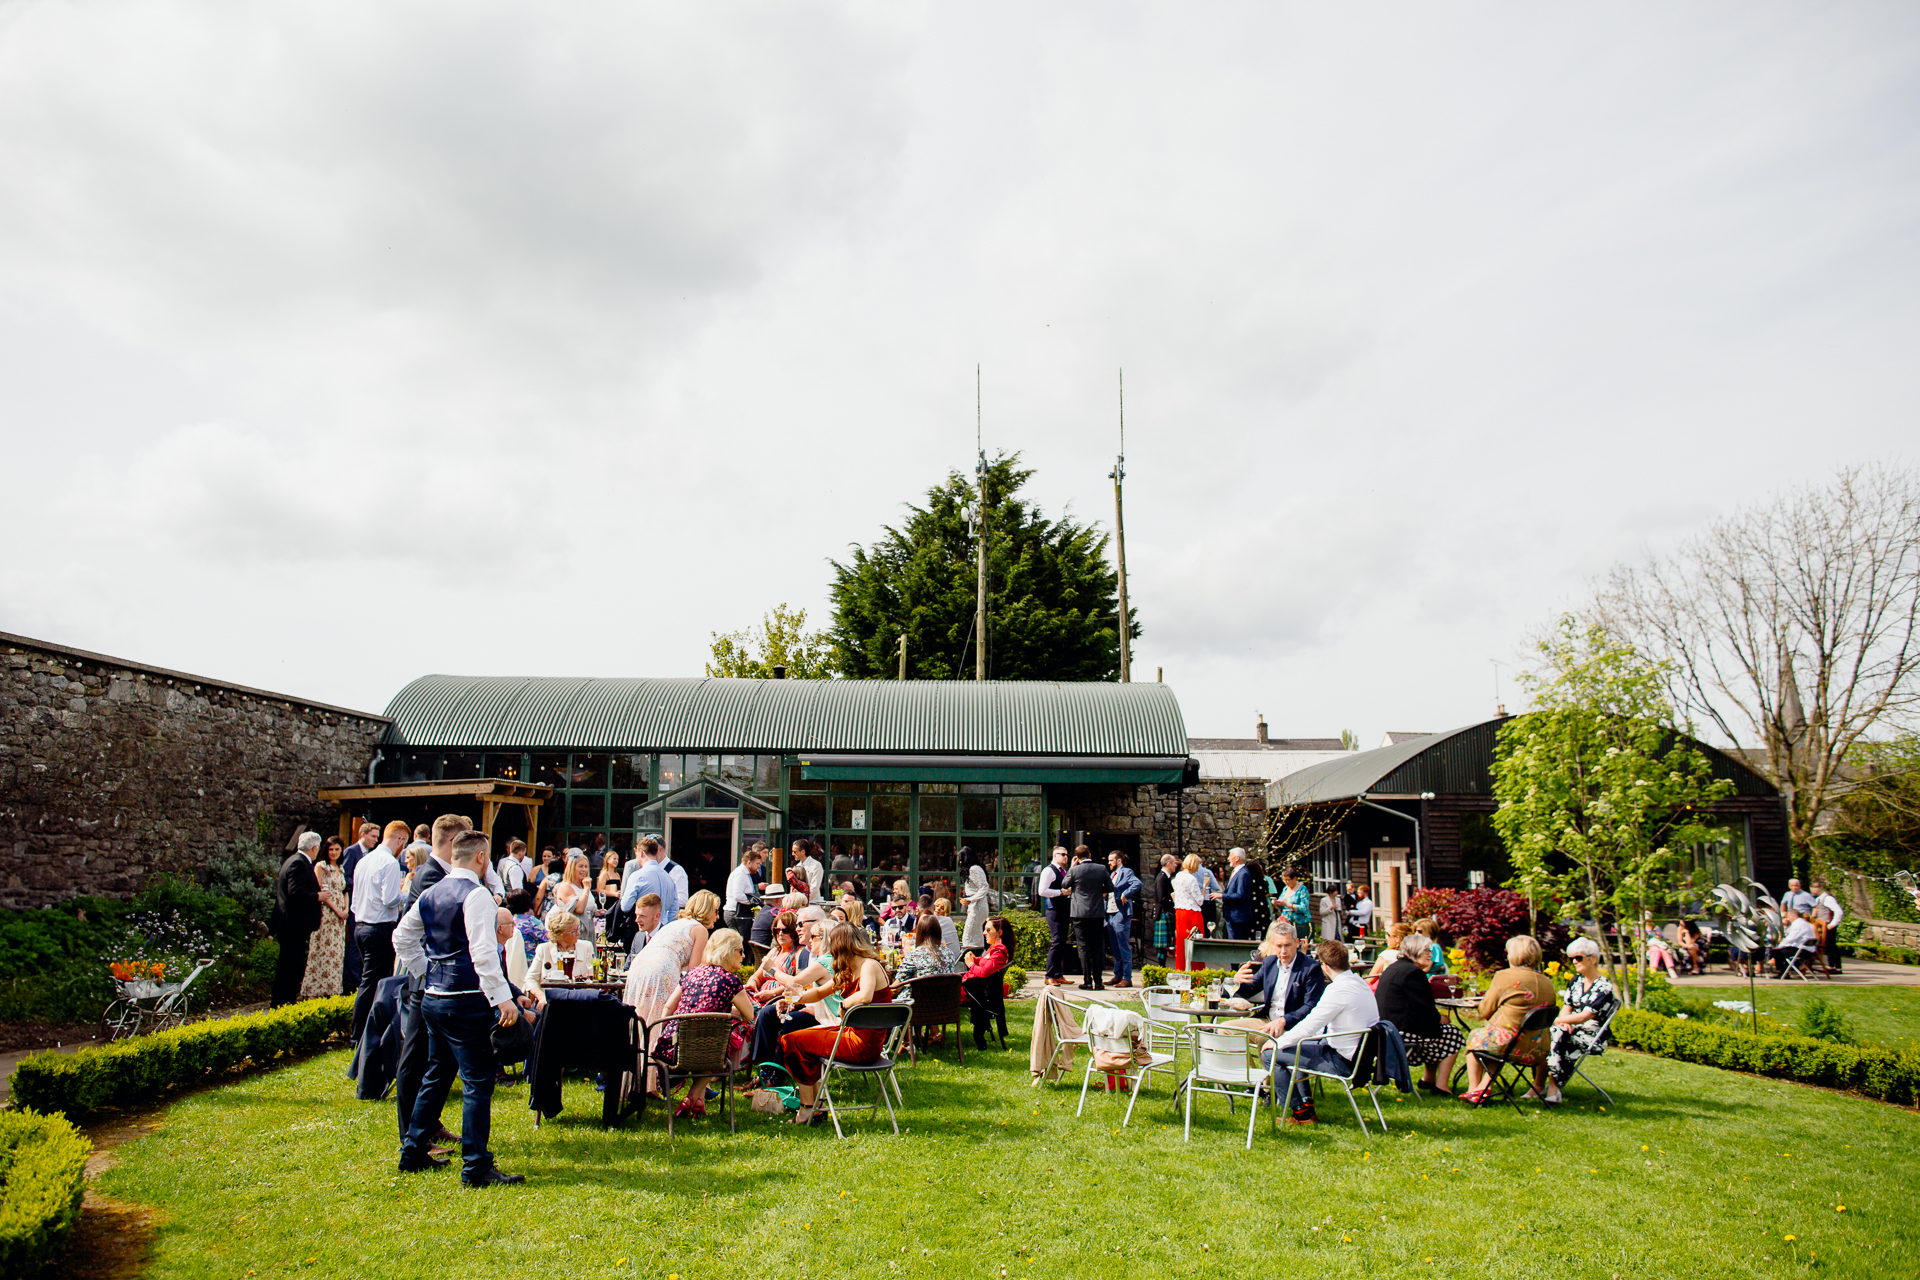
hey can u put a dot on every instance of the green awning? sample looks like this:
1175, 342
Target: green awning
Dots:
1164, 770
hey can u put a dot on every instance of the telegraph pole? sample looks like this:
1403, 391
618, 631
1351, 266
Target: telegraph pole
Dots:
1118, 474
903, 655
980, 475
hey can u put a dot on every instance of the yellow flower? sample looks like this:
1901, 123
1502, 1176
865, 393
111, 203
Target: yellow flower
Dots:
1839, 1208
1786, 1237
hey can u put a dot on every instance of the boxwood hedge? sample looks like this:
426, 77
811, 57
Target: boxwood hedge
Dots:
1892, 1075
43, 1174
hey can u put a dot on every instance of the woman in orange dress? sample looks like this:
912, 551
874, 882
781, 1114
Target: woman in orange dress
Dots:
860, 978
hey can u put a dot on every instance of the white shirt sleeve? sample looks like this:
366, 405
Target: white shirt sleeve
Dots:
410, 942
481, 914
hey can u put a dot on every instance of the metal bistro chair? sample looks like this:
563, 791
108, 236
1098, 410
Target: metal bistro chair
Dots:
1165, 1022
1584, 1054
1359, 1073
1063, 1044
1500, 1064
1140, 1071
936, 1003
1221, 1065
891, 1018
699, 1049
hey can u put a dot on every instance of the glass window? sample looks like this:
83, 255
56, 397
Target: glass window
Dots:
419, 766
797, 783
894, 788
979, 788
702, 767
623, 808
937, 813
672, 773
766, 773
979, 813
589, 772
937, 854
1020, 813
550, 771
460, 765
737, 771
939, 788
988, 850
850, 813
553, 819
860, 787
651, 817
844, 846
630, 772
589, 810
891, 813
507, 767
890, 853
807, 813
690, 798
1019, 788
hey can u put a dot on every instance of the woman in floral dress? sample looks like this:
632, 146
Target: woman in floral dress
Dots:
1577, 1031
712, 987
327, 953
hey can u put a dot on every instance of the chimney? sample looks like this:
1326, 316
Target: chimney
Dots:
1260, 729
779, 673
1500, 710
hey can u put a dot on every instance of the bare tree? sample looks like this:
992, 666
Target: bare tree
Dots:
1792, 624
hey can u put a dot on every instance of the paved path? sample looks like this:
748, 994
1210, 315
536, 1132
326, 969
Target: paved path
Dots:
1858, 973
8, 1061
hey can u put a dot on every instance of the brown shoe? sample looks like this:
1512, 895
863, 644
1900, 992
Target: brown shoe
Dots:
1119, 984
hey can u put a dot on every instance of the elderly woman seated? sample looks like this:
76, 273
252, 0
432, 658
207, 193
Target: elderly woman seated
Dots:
1578, 1031
1406, 1000
711, 987
564, 957
1515, 992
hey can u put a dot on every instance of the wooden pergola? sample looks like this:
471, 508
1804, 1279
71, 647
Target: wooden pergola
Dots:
490, 792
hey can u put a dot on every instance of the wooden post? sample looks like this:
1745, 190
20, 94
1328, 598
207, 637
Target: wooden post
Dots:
1393, 892
533, 831
489, 810
348, 828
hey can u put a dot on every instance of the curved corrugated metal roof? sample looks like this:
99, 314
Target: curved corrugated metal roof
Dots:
713, 714
1456, 762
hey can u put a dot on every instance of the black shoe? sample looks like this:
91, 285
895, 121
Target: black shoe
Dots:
493, 1178
422, 1165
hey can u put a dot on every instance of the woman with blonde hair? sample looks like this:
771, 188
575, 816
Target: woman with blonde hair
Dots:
564, 957
576, 890
1188, 901
1515, 992
859, 978
677, 947
711, 987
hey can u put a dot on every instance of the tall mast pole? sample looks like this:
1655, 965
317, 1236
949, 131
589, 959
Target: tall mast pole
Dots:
1119, 473
980, 475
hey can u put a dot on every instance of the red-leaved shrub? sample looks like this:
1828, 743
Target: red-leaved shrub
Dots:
1481, 921
1431, 902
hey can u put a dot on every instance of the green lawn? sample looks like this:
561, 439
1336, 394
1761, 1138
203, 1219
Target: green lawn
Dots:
1693, 1169
1880, 1015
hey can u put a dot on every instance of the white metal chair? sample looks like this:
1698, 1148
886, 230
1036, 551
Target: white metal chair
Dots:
1165, 1022
1140, 1071
1062, 1043
1795, 959
1359, 1071
891, 1018
1221, 1065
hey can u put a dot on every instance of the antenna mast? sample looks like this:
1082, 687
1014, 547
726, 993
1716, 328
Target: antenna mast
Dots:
1118, 474
980, 476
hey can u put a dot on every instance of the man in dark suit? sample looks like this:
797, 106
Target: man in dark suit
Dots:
1054, 898
1283, 986
1089, 884
296, 914
1236, 904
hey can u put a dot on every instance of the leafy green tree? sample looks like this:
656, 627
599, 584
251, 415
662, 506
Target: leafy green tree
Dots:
1051, 593
781, 640
1601, 794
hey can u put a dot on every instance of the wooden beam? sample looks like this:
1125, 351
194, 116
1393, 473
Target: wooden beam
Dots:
489, 810
520, 792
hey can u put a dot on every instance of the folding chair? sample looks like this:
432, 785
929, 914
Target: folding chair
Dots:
1498, 1064
1221, 1065
1366, 1051
1141, 1071
1798, 957
987, 1004
936, 1003
1599, 1042
699, 1049
891, 1018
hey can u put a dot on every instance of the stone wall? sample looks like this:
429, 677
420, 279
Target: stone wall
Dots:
111, 772
1212, 817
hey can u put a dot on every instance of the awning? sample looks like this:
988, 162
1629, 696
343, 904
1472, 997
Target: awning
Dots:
1164, 770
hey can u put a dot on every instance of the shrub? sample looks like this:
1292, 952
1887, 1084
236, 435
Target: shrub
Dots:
1820, 1019
1430, 902
1874, 951
1013, 978
243, 873
1481, 921
1153, 975
1890, 1075
1029, 937
43, 1175
141, 1069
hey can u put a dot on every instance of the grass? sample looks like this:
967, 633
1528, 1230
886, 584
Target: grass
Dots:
1879, 1015
286, 1174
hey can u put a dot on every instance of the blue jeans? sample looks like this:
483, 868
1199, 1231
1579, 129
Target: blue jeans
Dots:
1120, 945
1316, 1056
459, 1040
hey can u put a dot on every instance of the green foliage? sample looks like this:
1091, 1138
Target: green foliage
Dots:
1888, 1074
1013, 977
1051, 593
1819, 1019
1600, 796
243, 872
1153, 975
1029, 949
1887, 955
142, 1069
1879, 813
782, 640
43, 1176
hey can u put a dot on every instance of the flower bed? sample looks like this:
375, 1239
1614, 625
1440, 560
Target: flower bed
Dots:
142, 1069
1890, 1075
43, 1173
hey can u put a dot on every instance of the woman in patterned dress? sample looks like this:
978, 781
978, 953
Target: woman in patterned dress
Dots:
1515, 992
860, 978
1577, 1031
1294, 903
327, 953
711, 987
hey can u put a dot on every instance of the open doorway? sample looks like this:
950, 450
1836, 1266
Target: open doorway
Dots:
705, 847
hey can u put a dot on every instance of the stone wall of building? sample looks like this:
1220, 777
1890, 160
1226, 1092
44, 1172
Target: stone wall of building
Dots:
1207, 819
112, 772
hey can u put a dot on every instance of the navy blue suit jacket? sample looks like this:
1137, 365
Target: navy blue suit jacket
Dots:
1237, 899
1304, 984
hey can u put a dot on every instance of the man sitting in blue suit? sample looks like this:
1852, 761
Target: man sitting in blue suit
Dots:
1283, 986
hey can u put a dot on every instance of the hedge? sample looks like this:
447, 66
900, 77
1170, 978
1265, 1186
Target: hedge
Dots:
1890, 1075
1153, 975
141, 1069
1877, 951
43, 1175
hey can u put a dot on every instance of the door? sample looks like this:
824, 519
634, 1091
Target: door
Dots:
705, 846
1390, 884
1128, 843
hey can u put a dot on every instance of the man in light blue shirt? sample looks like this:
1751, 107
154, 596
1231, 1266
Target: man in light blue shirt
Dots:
650, 875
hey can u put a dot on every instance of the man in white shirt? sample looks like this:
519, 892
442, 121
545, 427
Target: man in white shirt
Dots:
1346, 1006
377, 903
1360, 918
678, 875
743, 890
515, 867
1797, 942
349, 862
1827, 909
815, 873
450, 932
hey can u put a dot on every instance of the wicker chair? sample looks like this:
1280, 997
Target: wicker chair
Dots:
699, 1049
758, 952
936, 1003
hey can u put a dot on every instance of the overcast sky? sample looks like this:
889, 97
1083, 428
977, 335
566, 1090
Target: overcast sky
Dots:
341, 342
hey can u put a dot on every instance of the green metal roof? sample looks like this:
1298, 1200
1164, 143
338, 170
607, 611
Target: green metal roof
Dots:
712, 714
